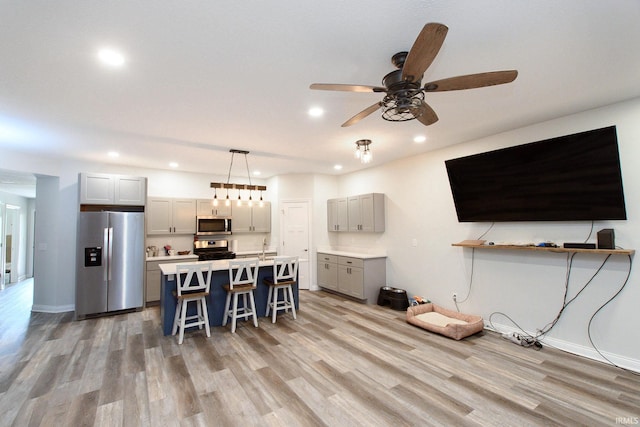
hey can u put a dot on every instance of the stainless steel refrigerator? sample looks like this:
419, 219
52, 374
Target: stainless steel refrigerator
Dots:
110, 262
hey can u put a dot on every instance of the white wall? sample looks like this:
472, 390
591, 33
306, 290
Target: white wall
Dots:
526, 286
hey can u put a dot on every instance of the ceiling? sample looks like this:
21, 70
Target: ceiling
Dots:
202, 77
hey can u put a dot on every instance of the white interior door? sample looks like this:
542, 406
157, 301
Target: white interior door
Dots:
294, 225
2, 266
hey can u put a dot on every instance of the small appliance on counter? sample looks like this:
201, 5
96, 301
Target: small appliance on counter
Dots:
210, 249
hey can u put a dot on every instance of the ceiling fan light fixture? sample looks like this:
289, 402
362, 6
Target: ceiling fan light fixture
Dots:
402, 109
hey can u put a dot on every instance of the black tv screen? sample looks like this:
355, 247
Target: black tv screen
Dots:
569, 178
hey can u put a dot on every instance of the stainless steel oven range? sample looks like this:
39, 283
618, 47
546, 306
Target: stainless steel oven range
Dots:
209, 249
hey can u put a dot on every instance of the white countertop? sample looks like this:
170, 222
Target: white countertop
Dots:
172, 257
218, 265
360, 255
257, 252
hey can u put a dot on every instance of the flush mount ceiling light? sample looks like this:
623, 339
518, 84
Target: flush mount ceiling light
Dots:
363, 151
316, 112
111, 57
232, 186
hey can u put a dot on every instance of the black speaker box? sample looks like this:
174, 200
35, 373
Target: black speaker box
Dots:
606, 239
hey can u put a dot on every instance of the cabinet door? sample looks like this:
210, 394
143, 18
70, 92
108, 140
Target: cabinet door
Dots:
241, 220
96, 189
153, 285
337, 219
354, 213
159, 216
327, 275
184, 216
206, 208
261, 218
130, 190
351, 281
367, 213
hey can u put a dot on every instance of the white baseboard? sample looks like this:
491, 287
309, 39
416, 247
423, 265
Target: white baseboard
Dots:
580, 350
39, 308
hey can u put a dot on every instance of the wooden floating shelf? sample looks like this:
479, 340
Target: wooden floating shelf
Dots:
476, 244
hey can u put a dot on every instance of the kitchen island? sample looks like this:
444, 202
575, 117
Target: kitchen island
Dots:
217, 295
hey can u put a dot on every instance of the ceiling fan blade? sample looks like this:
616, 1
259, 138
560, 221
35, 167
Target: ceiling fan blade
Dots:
428, 116
424, 51
347, 88
362, 114
472, 81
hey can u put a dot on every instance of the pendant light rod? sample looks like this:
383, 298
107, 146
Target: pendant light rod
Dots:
232, 186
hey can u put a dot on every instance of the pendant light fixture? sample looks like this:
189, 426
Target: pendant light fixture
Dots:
363, 151
232, 186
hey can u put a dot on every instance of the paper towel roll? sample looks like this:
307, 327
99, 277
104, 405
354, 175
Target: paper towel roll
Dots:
234, 246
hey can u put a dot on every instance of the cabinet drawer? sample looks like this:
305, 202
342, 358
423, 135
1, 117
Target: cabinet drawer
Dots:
351, 262
327, 258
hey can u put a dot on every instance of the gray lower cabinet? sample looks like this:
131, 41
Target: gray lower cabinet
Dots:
328, 271
152, 281
359, 278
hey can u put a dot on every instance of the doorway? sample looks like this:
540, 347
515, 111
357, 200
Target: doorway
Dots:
295, 223
9, 232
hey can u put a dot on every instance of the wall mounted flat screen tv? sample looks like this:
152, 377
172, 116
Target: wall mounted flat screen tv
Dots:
569, 178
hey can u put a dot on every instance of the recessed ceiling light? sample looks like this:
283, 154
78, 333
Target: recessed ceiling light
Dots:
338, 167
113, 154
316, 112
111, 57
420, 139
257, 173
173, 165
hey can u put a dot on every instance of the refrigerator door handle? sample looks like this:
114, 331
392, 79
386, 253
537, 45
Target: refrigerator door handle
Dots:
110, 251
105, 255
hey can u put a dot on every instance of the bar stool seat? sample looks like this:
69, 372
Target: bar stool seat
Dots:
243, 277
187, 292
285, 274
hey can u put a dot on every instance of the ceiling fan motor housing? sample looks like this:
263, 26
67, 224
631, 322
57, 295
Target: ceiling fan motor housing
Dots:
394, 82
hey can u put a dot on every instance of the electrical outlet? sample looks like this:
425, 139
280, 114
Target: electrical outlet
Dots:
454, 296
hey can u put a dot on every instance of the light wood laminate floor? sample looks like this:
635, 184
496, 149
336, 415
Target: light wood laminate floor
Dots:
340, 364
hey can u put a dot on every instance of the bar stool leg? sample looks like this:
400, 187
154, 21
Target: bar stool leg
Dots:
227, 309
292, 302
205, 315
176, 318
253, 309
183, 316
269, 302
234, 313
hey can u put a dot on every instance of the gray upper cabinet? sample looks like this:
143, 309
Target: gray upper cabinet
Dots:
109, 189
206, 208
251, 219
362, 213
171, 216
337, 215
366, 213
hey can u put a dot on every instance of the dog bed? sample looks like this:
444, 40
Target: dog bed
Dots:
444, 322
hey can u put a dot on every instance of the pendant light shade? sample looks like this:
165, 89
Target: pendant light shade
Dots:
363, 150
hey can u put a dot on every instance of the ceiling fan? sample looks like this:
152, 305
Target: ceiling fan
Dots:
403, 89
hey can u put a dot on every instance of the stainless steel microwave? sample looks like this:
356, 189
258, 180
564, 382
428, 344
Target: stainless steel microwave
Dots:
210, 225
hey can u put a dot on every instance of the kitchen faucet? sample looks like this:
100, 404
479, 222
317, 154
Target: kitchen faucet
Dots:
264, 246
